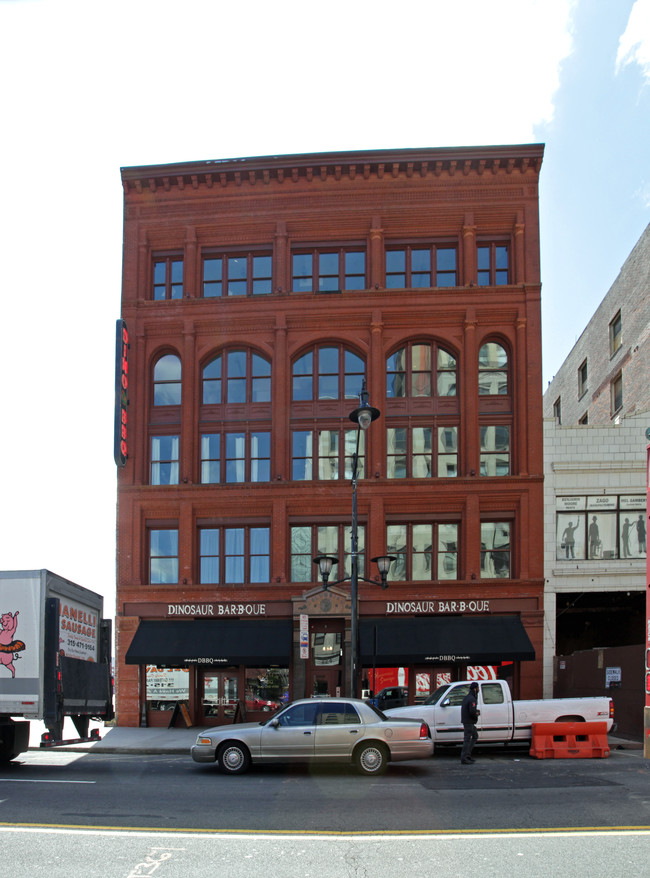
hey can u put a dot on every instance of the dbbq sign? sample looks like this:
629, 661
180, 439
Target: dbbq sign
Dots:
121, 433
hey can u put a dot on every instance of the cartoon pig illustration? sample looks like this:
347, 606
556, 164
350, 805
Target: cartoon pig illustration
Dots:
9, 648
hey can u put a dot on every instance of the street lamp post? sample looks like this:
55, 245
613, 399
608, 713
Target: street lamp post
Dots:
362, 416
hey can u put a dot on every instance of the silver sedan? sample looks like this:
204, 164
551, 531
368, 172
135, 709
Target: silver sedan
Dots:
317, 729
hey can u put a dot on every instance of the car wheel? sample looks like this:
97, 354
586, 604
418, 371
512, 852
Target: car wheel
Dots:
233, 758
371, 759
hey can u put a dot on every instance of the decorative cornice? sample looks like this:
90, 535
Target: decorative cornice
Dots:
523, 159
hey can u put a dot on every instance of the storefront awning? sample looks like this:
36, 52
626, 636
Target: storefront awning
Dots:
476, 640
211, 643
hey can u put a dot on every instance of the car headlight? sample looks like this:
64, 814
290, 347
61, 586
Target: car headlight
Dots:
203, 739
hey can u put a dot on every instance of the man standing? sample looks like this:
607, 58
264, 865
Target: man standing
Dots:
594, 539
640, 530
568, 539
469, 714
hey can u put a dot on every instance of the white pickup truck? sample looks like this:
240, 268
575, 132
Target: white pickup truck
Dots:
501, 719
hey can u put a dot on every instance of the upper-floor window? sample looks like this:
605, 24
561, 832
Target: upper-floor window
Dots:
327, 372
617, 393
236, 457
234, 555
557, 409
168, 278
167, 381
237, 377
163, 555
420, 370
308, 541
492, 264
615, 334
326, 454
619, 531
582, 378
242, 274
492, 370
414, 266
411, 453
164, 460
495, 550
495, 450
424, 551
328, 270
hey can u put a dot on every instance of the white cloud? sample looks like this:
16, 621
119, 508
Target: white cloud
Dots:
634, 44
643, 194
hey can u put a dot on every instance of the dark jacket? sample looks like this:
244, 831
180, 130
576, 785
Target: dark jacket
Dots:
468, 710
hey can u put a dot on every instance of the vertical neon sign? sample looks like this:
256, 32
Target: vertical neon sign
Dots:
121, 434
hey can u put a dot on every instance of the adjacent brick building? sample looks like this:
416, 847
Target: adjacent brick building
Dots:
596, 415
606, 375
260, 295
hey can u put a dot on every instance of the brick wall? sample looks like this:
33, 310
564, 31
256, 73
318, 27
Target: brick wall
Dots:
629, 294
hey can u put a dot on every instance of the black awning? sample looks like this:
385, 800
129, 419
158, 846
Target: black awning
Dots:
443, 640
211, 642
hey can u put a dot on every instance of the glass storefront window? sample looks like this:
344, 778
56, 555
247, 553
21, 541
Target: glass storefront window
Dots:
267, 689
166, 686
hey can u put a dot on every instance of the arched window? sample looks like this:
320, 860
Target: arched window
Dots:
327, 372
239, 376
167, 381
420, 370
421, 382
492, 370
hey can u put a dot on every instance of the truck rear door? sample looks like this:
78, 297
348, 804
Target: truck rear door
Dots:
495, 721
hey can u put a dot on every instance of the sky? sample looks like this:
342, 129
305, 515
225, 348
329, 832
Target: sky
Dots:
90, 87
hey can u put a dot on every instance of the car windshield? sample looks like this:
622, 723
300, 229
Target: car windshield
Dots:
437, 695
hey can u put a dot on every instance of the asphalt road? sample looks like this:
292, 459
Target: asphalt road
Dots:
502, 791
96, 854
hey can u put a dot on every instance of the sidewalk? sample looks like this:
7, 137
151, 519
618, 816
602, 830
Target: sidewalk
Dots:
122, 739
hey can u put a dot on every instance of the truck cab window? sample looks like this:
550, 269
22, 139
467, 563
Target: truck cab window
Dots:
457, 695
492, 693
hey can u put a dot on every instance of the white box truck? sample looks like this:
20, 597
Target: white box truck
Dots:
55, 659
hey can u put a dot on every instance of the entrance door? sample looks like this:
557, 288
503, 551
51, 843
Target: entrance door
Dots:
325, 681
326, 657
217, 696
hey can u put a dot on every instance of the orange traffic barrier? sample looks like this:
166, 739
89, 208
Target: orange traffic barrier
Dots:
569, 740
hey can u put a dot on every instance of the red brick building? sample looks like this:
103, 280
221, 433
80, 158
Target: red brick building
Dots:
258, 295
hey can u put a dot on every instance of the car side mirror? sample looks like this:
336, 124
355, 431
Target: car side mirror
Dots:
445, 703
275, 723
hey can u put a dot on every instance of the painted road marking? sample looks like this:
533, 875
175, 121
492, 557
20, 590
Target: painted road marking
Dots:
556, 832
28, 780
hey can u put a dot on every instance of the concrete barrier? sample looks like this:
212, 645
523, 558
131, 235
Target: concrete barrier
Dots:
569, 740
